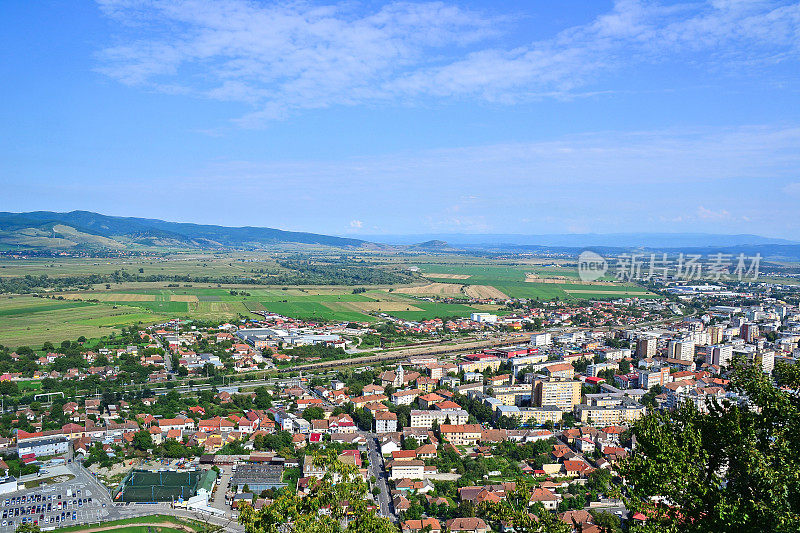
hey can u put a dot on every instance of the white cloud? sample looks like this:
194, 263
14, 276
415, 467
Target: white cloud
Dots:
792, 188
603, 180
356, 224
676, 159
281, 57
712, 214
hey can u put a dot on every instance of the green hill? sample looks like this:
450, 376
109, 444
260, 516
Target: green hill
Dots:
84, 229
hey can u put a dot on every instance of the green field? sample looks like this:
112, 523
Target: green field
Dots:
138, 525
510, 279
96, 312
28, 307
168, 307
26, 320
180, 265
434, 309
139, 529
29, 385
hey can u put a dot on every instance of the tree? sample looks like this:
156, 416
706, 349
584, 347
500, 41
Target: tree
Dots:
142, 440
787, 375
290, 513
410, 443
607, 522
27, 528
734, 468
599, 480
649, 397
313, 413
515, 510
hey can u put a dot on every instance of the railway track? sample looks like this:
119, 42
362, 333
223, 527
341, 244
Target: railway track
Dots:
402, 354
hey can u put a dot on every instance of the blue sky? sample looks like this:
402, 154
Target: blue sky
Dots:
407, 117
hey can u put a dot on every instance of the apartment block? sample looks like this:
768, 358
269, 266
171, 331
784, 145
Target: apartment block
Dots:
645, 348
461, 434
425, 419
563, 393
626, 411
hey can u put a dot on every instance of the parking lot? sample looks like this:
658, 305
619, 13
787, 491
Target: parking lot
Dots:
74, 502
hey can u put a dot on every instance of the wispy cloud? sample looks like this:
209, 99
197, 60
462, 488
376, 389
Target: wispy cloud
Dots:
712, 214
728, 32
283, 57
745, 179
603, 180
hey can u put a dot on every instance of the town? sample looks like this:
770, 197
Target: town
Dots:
400, 266
201, 420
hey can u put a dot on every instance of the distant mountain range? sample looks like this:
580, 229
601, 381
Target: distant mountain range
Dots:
84, 229
581, 240
76, 230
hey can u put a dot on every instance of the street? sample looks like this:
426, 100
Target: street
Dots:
376, 469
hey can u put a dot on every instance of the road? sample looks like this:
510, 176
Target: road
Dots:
376, 469
222, 487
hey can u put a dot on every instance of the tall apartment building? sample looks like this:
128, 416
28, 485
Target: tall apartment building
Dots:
653, 377
765, 358
461, 434
385, 422
682, 349
715, 334
594, 369
541, 339
624, 412
749, 332
720, 355
646, 348
563, 393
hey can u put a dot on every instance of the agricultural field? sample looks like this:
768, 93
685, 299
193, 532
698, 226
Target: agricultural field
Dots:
27, 320
172, 265
104, 308
520, 281
319, 303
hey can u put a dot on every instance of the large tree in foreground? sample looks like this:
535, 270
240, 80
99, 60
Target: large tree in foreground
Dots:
735, 468
337, 504
516, 511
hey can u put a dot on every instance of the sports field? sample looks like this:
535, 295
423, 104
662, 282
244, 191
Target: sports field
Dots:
161, 486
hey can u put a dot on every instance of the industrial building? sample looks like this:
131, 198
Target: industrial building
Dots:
44, 446
257, 477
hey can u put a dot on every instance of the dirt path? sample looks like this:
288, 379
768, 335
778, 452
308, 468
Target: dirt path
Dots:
446, 276
139, 524
621, 293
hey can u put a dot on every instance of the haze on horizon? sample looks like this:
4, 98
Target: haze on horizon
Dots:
421, 117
